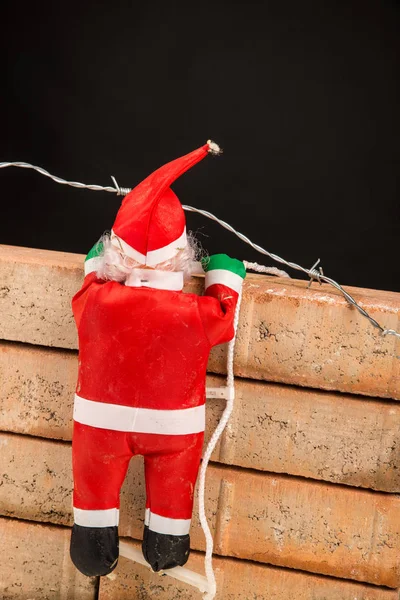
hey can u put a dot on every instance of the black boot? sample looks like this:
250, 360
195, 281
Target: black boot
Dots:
94, 550
164, 551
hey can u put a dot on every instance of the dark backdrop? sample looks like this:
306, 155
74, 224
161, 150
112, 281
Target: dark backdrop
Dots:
303, 97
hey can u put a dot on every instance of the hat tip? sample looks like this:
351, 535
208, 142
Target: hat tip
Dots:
213, 148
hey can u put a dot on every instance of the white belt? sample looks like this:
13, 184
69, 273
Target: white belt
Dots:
139, 420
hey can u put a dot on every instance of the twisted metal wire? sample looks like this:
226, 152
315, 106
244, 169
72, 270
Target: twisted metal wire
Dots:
314, 274
97, 188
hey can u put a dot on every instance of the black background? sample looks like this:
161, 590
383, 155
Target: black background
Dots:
303, 97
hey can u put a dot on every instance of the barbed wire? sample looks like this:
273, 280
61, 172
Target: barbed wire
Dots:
313, 273
97, 188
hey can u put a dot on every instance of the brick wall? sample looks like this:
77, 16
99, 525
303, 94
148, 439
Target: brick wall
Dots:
303, 489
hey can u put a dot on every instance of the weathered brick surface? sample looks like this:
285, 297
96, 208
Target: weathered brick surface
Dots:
322, 435
312, 337
35, 479
295, 523
287, 332
281, 429
236, 580
35, 564
280, 520
35, 295
37, 390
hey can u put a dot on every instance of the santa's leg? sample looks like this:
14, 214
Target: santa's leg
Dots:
171, 474
100, 462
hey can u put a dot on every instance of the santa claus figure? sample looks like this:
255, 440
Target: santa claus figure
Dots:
143, 351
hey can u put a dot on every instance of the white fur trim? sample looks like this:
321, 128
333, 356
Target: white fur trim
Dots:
167, 525
92, 264
128, 250
224, 277
96, 518
156, 279
154, 257
197, 268
118, 417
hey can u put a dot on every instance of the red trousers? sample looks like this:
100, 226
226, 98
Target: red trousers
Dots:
100, 462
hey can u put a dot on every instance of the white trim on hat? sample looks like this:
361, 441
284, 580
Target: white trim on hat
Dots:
118, 417
154, 257
128, 250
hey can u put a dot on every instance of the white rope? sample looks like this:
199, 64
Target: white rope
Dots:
212, 586
253, 266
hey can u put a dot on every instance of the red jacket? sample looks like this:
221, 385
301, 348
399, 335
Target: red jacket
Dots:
148, 348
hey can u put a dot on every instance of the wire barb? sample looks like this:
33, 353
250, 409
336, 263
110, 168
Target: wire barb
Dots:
312, 273
120, 191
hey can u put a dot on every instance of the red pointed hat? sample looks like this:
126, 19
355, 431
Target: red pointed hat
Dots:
151, 224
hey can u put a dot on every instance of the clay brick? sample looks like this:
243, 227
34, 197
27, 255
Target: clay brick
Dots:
35, 564
281, 429
35, 295
290, 522
287, 332
285, 521
333, 437
37, 390
236, 580
312, 337
35, 479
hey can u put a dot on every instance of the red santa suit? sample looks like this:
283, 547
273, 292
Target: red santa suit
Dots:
143, 352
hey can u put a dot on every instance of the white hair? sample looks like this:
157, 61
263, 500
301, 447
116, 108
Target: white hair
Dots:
114, 265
